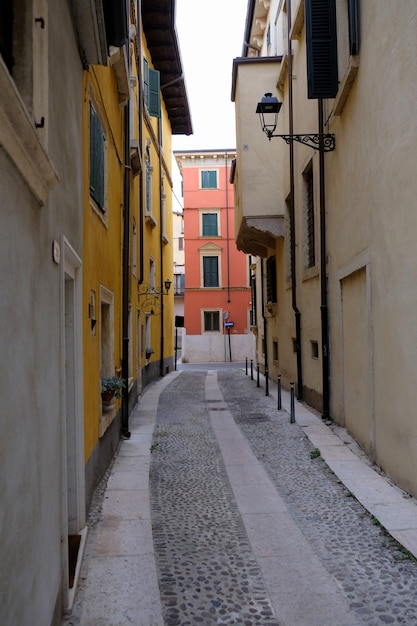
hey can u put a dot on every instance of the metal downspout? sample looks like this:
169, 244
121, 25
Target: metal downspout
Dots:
323, 277
265, 330
140, 113
227, 234
161, 248
125, 261
297, 313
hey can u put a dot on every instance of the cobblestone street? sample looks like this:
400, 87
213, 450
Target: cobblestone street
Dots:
249, 525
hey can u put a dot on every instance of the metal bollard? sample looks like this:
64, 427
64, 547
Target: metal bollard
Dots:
246, 366
251, 369
279, 393
292, 413
257, 376
266, 381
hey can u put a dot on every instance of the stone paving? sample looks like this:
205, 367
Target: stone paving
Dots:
207, 572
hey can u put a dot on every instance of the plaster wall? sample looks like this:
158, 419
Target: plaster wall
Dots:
371, 190
32, 447
215, 348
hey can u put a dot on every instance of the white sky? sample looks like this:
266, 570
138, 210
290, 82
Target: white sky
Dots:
210, 36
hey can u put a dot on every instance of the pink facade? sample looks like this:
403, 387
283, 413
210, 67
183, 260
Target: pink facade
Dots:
217, 293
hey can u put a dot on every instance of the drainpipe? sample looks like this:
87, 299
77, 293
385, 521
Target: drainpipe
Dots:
323, 277
125, 261
161, 248
297, 313
140, 113
227, 234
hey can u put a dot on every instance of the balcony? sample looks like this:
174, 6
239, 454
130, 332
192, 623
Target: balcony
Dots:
257, 172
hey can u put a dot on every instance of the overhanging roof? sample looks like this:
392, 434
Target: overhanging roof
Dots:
158, 19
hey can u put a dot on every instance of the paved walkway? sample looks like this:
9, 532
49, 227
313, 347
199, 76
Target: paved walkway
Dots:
220, 511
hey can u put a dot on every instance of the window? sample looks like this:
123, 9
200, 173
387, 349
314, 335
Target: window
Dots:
6, 34
314, 350
97, 147
253, 301
179, 284
180, 244
320, 26
271, 280
209, 179
211, 321
310, 258
151, 90
210, 271
275, 351
209, 224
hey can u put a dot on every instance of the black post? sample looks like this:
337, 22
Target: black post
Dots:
251, 369
246, 366
257, 375
279, 393
292, 411
266, 381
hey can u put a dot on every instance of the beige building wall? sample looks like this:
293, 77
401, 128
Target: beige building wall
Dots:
370, 221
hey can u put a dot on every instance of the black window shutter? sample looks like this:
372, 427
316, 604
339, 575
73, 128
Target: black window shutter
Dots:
96, 159
320, 21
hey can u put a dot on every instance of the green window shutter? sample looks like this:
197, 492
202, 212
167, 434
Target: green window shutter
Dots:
211, 271
154, 104
145, 81
322, 75
96, 159
209, 179
210, 225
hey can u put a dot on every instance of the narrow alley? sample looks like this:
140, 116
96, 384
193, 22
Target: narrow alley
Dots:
218, 510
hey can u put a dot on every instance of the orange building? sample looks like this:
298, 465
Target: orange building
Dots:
217, 293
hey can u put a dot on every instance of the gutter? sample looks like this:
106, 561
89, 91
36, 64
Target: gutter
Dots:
126, 268
295, 308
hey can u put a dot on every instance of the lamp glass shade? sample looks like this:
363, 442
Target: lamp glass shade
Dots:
268, 109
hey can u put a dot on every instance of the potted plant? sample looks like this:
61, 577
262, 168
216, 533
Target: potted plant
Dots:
112, 387
148, 352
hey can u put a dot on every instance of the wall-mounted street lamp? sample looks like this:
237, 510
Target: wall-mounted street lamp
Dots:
146, 290
151, 305
268, 109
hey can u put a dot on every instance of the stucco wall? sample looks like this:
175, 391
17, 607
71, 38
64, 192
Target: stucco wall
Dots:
31, 344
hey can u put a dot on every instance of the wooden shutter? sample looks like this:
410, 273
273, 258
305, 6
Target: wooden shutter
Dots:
211, 272
320, 21
271, 280
210, 225
154, 104
96, 160
209, 179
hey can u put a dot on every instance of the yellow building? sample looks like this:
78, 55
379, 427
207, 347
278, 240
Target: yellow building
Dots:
131, 109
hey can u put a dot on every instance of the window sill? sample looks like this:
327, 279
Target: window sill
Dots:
20, 140
149, 219
346, 85
310, 272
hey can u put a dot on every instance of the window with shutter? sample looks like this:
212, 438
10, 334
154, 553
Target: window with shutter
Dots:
209, 179
209, 225
322, 73
151, 90
271, 280
210, 271
211, 321
97, 144
6, 34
